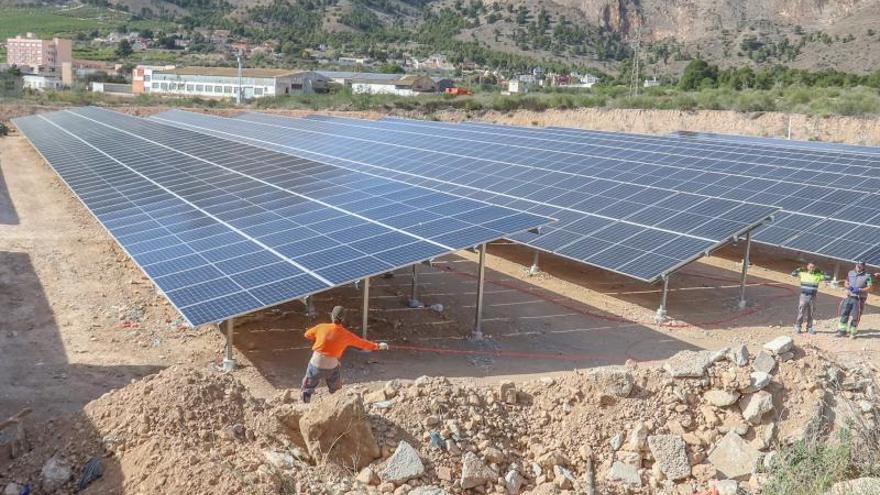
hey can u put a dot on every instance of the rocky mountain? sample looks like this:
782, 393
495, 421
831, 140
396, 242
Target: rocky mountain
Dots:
807, 34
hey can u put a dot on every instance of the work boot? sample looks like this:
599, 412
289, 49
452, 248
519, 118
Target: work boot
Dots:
840, 333
811, 331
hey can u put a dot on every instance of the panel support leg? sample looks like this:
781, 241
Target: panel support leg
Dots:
660, 317
745, 272
535, 269
311, 312
481, 278
414, 288
228, 359
366, 307
834, 280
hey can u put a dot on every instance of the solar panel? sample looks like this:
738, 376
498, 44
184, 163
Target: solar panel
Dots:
795, 191
593, 224
224, 229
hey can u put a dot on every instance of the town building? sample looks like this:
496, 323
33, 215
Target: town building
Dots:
443, 83
112, 88
651, 83
223, 82
41, 82
517, 86
36, 53
344, 78
438, 61
394, 84
142, 75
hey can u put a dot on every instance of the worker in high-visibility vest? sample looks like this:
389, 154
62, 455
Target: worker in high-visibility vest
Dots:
858, 284
330, 341
810, 278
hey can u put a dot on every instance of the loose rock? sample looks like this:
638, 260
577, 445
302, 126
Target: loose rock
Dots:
671, 454
404, 465
474, 472
779, 345
733, 457
764, 362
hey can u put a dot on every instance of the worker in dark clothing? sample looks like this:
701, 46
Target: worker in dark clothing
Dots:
330, 342
858, 284
810, 278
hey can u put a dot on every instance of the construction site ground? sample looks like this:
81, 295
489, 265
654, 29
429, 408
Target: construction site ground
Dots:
78, 318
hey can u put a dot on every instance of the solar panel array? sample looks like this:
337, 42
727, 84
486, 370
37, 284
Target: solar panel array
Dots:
830, 206
824, 146
641, 231
224, 229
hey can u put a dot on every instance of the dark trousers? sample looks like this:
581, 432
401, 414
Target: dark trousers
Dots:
851, 309
313, 378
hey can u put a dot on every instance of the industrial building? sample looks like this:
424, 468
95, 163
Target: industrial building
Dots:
223, 82
393, 84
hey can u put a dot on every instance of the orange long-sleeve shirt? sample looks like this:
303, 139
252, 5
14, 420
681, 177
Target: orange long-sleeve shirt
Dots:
331, 339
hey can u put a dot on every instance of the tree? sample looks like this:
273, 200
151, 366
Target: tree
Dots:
124, 49
391, 69
698, 74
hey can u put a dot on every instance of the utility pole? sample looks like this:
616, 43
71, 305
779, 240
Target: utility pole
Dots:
634, 91
240, 92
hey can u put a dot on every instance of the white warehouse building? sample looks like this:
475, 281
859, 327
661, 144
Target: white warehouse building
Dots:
395, 84
223, 82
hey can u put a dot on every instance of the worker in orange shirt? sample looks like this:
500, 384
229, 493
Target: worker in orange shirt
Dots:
330, 341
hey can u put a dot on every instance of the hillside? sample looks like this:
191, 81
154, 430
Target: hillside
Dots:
517, 34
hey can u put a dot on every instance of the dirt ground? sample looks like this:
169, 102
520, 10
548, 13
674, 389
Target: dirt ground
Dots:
78, 319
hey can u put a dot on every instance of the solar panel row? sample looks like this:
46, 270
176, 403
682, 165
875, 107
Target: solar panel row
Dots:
843, 150
225, 229
836, 222
646, 235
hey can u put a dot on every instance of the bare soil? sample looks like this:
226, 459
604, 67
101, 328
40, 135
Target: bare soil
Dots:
78, 319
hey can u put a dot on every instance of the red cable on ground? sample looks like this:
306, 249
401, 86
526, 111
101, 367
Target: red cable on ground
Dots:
526, 355
788, 292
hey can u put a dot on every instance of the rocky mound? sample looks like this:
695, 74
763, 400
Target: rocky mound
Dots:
706, 419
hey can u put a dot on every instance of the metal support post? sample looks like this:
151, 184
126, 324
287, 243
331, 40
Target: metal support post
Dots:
535, 269
661, 311
834, 280
481, 277
311, 312
228, 359
366, 307
745, 272
414, 289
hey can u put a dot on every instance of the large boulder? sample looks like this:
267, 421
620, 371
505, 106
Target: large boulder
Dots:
404, 465
671, 454
733, 457
691, 364
474, 471
335, 427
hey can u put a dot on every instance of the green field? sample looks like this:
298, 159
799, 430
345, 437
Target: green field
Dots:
53, 21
